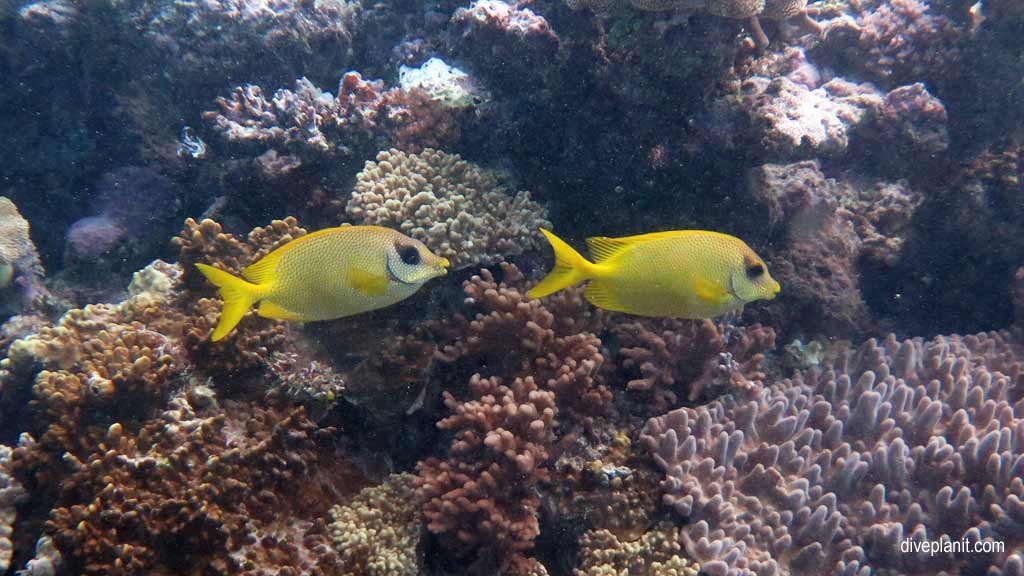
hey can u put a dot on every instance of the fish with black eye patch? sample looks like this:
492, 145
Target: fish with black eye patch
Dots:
677, 274
327, 274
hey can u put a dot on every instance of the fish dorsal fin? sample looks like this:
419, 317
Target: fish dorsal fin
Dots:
263, 271
603, 249
368, 283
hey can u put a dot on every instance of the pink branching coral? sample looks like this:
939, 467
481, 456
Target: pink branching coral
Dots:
830, 471
676, 361
483, 497
545, 339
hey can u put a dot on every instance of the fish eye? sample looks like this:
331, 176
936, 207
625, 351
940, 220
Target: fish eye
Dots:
409, 254
754, 271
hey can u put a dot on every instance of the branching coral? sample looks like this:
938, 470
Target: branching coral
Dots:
483, 498
550, 341
830, 471
675, 361
255, 339
316, 125
98, 363
378, 532
194, 490
459, 210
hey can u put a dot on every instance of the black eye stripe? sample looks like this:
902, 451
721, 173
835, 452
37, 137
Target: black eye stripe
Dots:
410, 255
755, 270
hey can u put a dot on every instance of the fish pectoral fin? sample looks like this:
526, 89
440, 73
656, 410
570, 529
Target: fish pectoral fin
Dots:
598, 294
368, 283
268, 309
711, 293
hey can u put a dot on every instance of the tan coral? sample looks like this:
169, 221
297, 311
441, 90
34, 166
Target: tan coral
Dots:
459, 210
378, 532
656, 553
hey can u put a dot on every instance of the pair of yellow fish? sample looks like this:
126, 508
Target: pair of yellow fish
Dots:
343, 271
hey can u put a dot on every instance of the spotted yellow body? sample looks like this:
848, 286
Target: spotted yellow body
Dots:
675, 274
327, 274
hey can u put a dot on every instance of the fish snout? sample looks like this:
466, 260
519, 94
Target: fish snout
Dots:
775, 289
442, 266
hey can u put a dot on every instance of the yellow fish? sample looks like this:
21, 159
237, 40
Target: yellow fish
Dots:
676, 274
327, 274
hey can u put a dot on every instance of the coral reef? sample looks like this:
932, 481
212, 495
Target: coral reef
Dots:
832, 232
898, 42
482, 499
255, 341
831, 470
19, 261
191, 489
459, 210
656, 553
377, 533
668, 362
316, 126
749, 10
10, 494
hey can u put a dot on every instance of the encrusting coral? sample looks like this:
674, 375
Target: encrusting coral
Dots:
459, 210
377, 533
830, 471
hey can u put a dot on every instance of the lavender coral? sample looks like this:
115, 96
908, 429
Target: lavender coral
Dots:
830, 471
459, 210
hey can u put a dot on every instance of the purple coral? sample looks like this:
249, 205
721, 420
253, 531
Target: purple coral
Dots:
830, 471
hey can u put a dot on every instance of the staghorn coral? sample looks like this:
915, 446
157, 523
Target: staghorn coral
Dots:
459, 210
498, 457
377, 533
656, 553
674, 361
830, 471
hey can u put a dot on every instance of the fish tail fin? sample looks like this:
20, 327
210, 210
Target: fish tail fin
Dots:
570, 268
238, 296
